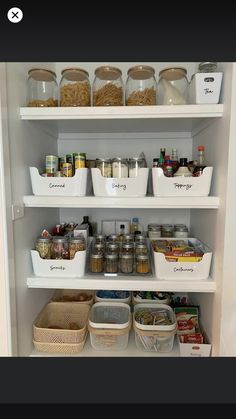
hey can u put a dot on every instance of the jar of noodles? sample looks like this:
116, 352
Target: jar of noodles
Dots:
108, 87
75, 87
141, 86
42, 88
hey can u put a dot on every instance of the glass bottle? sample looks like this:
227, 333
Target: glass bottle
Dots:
168, 170
120, 168
42, 88
161, 161
198, 170
173, 86
86, 221
134, 226
174, 160
122, 232
74, 87
108, 89
155, 162
141, 86
183, 169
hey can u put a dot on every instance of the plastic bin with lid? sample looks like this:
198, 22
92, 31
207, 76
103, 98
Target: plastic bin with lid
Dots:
109, 326
154, 337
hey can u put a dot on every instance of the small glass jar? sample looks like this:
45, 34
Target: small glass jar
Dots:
75, 245
142, 264
120, 168
43, 246
141, 249
111, 263
75, 87
60, 248
105, 167
181, 232
99, 248
207, 67
113, 238
128, 238
167, 231
135, 164
126, 263
140, 238
42, 88
154, 231
108, 89
141, 86
100, 238
173, 86
113, 248
96, 263
127, 248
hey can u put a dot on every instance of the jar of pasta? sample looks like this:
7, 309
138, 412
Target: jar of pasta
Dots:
141, 86
108, 87
43, 246
76, 245
105, 167
42, 88
74, 87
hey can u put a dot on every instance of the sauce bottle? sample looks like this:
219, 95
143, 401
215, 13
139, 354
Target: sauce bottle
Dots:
183, 169
198, 170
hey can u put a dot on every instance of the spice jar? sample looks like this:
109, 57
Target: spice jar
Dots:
100, 238
154, 231
111, 263
181, 232
142, 265
135, 164
108, 87
113, 248
141, 86
128, 238
141, 249
120, 168
99, 248
139, 238
42, 88
43, 246
60, 248
96, 263
113, 238
173, 86
167, 231
104, 165
74, 87
75, 245
127, 248
126, 264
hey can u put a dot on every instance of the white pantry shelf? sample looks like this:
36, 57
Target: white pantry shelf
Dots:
131, 350
132, 283
210, 202
178, 118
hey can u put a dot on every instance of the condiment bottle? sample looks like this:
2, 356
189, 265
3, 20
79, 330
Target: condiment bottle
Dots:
174, 160
86, 221
183, 169
198, 170
168, 170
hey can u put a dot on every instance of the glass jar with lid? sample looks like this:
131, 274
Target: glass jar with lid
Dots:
154, 231
96, 263
42, 88
135, 164
108, 89
141, 249
76, 244
142, 264
113, 248
43, 246
167, 230
173, 86
75, 87
100, 238
60, 248
141, 86
120, 168
181, 231
105, 167
126, 263
207, 67
127, 248
111, 263
113, 238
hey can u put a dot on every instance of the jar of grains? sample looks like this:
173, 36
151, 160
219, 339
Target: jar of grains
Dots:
96, 262
74, 87
126, 263
120, 168
60, 248
167, 230
141, 86
105, 167
111, 263
75, 245
42, 88
108, 87
141, 249
43, 246
142, 265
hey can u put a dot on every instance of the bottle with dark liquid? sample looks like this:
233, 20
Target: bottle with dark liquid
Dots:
86, 221
198, 170
168, 169
161, 161
174, 160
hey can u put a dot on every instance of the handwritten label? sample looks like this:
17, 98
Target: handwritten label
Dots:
181, 186
183, 269
61, 268
53, 185
118, 186
207, 91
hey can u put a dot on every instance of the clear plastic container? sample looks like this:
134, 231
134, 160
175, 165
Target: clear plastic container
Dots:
75, 87
173, 86
109, 326
42, 88
135, 164
105, 167
108, 89
141, 86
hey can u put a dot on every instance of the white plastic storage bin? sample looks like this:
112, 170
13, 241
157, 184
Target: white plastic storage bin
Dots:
109, 326
183, 270
154, 338
102, 296
205, 88
181, 186
139, 300
120, 187
59, 268
195, 349
74, 296
59, 186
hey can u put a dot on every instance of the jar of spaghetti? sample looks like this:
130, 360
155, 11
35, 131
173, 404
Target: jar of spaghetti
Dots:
141, 86
126, 263
108, 87
74, 87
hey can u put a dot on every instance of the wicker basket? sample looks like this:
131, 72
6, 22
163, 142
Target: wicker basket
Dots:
63, 316
64, 296
60, 348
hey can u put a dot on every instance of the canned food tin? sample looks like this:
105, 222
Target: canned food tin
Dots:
67, 169
80, 161
51, 164
60, 162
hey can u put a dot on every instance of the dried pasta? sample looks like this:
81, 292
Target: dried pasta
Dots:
75, 94
142, 97
108, 95
50, 102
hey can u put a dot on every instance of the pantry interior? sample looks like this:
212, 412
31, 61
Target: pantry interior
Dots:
28, 136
